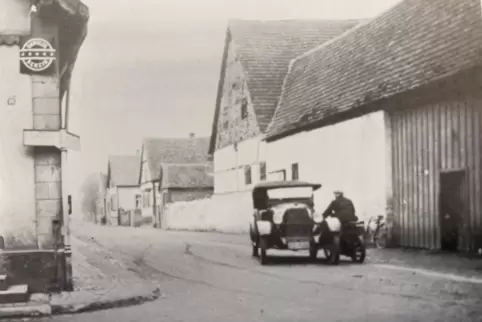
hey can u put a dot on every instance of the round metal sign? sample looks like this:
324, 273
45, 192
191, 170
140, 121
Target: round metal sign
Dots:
37, 54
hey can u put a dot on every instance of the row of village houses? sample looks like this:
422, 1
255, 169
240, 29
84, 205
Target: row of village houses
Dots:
136, 188
388, 110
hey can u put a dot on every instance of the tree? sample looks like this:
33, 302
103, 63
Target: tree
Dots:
91, 194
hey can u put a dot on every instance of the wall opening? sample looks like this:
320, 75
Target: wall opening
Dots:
452, 207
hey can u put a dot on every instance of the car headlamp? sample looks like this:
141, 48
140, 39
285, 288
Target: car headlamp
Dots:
317, 217
278, 216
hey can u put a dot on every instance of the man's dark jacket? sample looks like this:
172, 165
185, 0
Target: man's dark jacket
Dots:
343, 209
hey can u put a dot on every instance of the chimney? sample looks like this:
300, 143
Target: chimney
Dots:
192, 135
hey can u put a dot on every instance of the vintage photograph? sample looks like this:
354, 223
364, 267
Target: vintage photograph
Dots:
256, 160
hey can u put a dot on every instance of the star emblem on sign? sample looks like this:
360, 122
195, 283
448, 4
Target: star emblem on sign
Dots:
37, 54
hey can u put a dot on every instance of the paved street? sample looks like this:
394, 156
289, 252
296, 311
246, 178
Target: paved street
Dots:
211, 277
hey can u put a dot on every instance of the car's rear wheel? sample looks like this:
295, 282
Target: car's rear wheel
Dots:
263, 247
332, 252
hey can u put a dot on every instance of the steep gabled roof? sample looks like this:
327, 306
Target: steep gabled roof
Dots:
187, 176
174, 151
265, 49
124, 170
414, 43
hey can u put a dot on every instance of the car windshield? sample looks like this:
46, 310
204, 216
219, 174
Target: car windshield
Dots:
290, 193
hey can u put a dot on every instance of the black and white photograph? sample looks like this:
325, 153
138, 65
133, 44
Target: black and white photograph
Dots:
241, 161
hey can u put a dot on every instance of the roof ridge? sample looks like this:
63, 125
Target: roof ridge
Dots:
348, 32
121, 156
175, 138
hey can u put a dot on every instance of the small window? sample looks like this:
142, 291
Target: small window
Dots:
226, 124
244, 108
294, 171
262, 171
138, 201
247, 175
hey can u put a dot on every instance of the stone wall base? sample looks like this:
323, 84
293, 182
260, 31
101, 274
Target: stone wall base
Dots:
42, 270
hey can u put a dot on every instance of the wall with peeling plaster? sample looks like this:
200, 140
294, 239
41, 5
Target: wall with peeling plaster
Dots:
351, 156
14, 17
17, 189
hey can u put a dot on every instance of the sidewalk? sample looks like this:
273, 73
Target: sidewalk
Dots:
100, 282
430, 261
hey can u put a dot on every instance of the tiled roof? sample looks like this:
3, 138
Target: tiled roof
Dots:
187, 176
174, 151
265, 49
412, 44
124, 170
6, 40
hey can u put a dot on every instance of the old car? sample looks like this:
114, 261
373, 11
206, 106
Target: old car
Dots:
284, 219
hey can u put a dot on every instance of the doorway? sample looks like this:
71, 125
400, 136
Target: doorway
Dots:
451, 208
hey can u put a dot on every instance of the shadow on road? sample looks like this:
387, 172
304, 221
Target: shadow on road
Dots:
305, 260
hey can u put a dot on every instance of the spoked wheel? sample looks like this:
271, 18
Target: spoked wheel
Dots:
381, 240
332, 252
313, 252
359, 253
263, 247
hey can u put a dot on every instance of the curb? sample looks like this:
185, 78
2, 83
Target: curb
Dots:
25, 311
433, 273
58, 309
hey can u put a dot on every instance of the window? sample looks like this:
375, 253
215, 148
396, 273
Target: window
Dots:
279, 175
226, 124
244, 108
247, 175
113, 203
138, 201
147, 198
262, 171
294, 171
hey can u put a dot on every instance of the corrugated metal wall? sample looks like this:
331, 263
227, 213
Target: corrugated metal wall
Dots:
425, 141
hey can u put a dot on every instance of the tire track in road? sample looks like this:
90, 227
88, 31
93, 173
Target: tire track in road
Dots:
309, 282
149, 268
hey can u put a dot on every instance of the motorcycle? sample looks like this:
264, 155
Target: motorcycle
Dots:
351, 242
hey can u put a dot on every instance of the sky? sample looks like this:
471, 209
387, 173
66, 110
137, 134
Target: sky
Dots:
149, 68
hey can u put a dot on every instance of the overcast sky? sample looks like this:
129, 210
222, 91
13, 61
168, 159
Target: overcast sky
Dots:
150, 67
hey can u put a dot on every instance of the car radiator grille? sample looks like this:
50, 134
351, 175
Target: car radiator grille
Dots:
297, 223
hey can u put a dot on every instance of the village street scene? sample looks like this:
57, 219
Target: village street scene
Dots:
215, 160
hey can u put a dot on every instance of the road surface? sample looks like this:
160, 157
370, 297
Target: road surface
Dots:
208, 277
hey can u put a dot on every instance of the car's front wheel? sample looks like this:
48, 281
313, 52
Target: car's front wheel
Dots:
255, 249
332, 252
263, 248
313, 251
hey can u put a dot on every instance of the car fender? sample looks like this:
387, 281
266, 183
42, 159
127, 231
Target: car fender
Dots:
264, 227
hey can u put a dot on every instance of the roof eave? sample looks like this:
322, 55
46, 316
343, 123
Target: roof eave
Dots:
222, 74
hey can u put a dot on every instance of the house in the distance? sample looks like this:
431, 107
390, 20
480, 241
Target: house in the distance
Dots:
123, 192
254, 64
184, 182
159, 152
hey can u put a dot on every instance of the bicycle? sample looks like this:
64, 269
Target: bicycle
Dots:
377, 236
